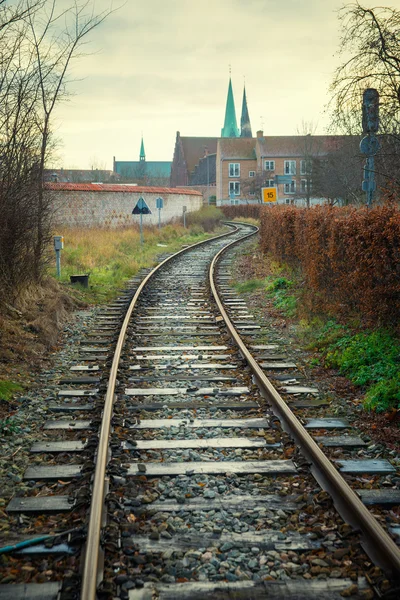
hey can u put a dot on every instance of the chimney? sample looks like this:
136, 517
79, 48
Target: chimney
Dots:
260, 134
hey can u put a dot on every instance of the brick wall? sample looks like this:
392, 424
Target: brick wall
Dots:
84, 208
246, 165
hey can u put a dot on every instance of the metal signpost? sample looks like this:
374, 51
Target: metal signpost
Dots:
58, 246
141, 209
159, 205
184, 209
370, 145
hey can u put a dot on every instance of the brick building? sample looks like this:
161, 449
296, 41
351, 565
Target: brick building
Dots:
287, 163
236, 165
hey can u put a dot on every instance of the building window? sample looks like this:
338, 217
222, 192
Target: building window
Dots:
303, 186
290, 188
234, 188
252, 193
290, 167
269, 165
305, 167
252, 173
234, 169
287, 200
270, 183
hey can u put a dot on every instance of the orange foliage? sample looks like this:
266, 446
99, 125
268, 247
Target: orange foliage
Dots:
349, 257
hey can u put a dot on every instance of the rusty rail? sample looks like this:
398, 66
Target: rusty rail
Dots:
90, 571
375, 540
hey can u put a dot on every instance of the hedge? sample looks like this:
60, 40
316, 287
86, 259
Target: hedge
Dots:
349, 257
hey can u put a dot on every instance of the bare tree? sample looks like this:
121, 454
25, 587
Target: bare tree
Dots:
371, 38
337, 174
53, 49
371, 44
311, 149
251, 186
37, 44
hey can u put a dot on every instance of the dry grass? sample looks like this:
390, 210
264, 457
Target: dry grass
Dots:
110, 257
30, 328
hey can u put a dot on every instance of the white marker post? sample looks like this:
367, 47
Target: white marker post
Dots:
58, 246
159, 206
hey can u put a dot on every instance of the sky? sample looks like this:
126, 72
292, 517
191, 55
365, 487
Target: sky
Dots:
161, 66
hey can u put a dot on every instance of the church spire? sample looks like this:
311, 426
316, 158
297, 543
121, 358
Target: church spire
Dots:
230, 128
142, 152
245, 127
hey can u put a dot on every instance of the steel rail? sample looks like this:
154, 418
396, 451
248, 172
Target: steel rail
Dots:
91, 560
375, 540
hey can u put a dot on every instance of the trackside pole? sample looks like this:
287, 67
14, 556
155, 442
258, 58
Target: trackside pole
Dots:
58, 246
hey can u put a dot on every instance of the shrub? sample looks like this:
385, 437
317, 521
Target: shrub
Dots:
233, 211
207, 218
348, 257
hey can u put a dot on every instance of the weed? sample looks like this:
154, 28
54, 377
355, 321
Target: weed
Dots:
369, 359
383, 395
280, 283
315, 362
285, 302
8, 426
7, 389
366, 358
324, 335
250, 285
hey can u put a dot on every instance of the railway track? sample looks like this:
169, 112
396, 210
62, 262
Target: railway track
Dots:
199, 490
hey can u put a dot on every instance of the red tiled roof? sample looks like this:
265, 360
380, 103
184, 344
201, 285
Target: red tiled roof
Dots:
117, 187
297, 145
238, 148
193, 149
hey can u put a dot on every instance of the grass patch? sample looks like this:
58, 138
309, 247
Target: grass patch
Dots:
8, 389
370, 359
250, 285
111, 257
278, 289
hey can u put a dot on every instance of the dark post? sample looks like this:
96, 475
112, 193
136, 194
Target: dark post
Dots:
369, 145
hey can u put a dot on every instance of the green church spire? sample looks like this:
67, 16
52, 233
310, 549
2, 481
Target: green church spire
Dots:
142, 152
245, 127
230, 128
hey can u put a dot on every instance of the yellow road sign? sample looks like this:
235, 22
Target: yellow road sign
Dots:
268, 194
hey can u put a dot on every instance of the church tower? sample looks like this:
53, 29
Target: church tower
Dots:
230, 128
142, 156
245, 127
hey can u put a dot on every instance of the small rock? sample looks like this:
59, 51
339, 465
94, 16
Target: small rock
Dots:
352, 590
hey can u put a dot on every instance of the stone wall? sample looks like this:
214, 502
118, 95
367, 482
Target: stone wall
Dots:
111, 205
